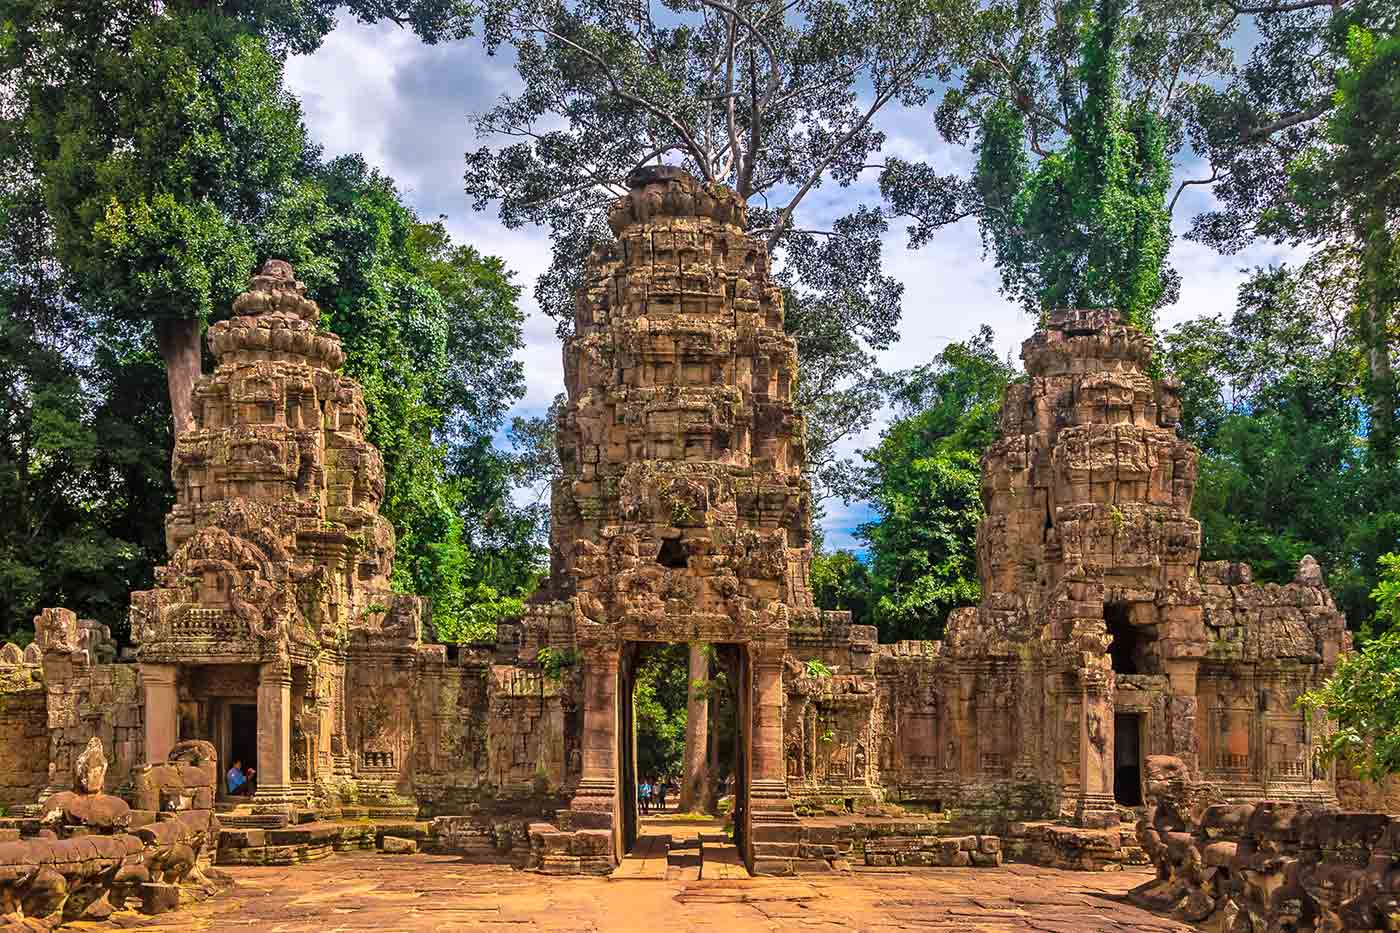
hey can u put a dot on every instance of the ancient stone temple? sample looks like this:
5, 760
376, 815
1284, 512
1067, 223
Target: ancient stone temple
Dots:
1101, 638
273, 638
279, 564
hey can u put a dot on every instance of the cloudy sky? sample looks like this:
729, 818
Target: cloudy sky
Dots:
406, 107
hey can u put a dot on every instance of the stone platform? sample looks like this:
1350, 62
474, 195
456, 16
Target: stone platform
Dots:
438, 892
309, 842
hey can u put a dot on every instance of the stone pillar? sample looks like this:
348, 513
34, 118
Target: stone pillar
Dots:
596, 803
1096, 806
274, 733
1180, 738
162, 710
775, 831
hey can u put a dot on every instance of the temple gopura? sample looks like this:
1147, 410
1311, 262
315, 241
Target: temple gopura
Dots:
682, 516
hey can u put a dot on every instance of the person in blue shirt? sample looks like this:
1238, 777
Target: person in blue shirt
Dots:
236, 781
645, 794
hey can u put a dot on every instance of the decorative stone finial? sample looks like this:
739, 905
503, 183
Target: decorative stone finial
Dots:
1309, 572
56, 630
665, 191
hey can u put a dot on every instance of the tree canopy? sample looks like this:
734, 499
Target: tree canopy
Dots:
152, 159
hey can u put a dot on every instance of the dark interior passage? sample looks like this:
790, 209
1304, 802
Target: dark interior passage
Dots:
243, 738
1127, 759
1126, 649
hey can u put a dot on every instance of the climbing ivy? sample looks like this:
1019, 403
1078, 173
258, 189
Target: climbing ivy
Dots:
1088, 226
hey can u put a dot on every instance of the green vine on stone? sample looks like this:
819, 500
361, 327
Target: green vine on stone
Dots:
554, 660
815, 668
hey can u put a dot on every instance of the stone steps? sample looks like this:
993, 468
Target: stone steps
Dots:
720, 859
648, 860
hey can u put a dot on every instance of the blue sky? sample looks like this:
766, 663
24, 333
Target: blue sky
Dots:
406, 106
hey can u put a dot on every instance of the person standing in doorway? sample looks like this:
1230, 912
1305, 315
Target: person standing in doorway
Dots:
645, 795
660, 794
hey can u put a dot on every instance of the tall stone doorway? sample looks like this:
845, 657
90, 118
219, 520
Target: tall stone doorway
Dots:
736, 726
1127, 759
243, 734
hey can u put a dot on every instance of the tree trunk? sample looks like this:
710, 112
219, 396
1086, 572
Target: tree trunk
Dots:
179, 348
695, 782
1375, 303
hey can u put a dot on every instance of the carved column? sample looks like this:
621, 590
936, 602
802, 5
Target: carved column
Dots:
162, 710
596, 804
773, 837
274, 732
1096, 806
1181, 738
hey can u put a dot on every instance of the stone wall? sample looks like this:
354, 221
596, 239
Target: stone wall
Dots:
1266, 865
96, 853
24, 732
67, 692
1355, 793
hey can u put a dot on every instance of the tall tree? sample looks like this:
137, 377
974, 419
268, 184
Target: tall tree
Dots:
1275, 400
924, 483
166, 145
84, 436
771, 100
1300, 147
1347, 191
1075, 111
695, 771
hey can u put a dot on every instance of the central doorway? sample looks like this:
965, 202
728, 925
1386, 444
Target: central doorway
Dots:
655, 690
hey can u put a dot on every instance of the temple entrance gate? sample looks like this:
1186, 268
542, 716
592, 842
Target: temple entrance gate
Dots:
732, 660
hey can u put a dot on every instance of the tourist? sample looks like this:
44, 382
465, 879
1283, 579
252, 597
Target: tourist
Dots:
237, 783
660, 794
645, 796
250, 784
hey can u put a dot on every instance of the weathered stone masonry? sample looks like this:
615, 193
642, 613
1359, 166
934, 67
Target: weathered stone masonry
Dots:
682, 516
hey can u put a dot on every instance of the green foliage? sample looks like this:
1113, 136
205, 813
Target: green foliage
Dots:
1088, 226
553, 661
1076, 111
660, 697
841, 580
924, 482
1275, 401
1363, 696
816, 668
84, 435
1345, 189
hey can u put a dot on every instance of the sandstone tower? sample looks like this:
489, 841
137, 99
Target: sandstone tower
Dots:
682, 514
278, 556
1093, 591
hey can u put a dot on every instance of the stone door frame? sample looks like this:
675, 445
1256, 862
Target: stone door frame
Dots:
737, 664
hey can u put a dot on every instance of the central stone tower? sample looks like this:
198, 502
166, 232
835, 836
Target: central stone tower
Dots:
681, 514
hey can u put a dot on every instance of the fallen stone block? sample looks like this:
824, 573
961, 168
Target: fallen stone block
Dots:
397, 845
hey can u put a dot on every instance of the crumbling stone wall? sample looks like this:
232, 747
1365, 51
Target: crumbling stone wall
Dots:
23, 726
95, 853
1266, 865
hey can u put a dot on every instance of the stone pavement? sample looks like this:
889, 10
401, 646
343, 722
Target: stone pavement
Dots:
385, 894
